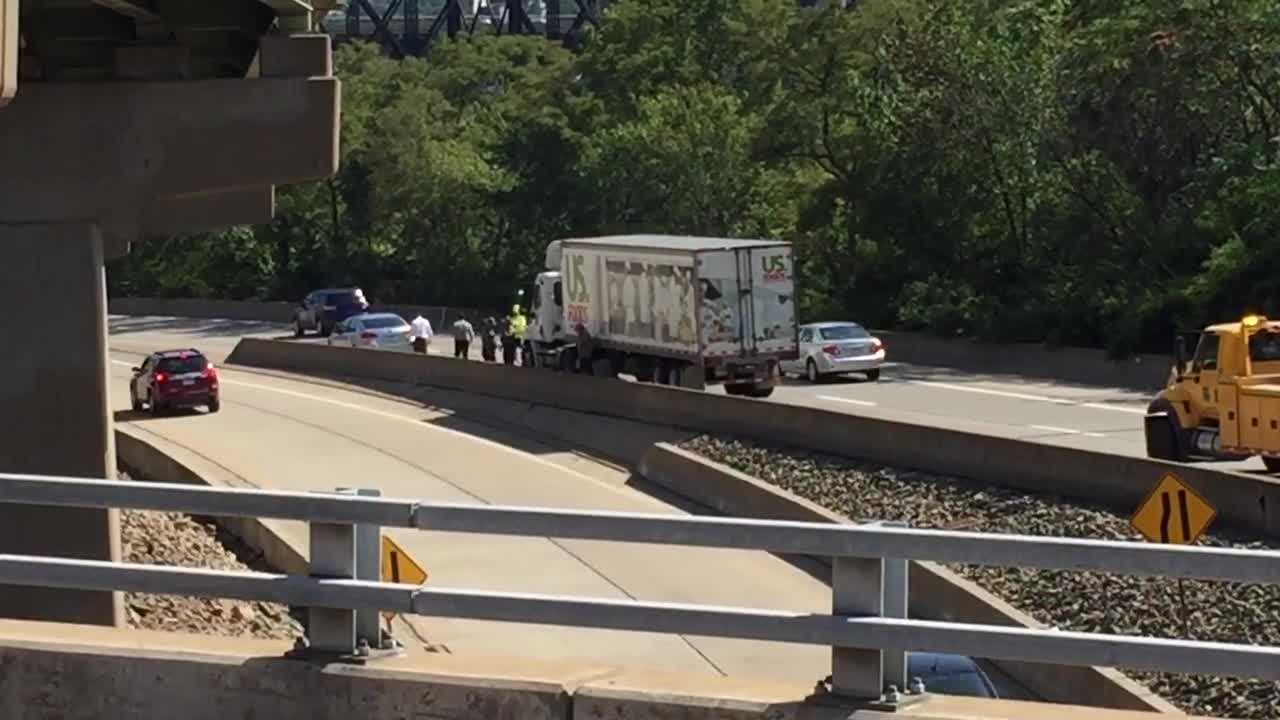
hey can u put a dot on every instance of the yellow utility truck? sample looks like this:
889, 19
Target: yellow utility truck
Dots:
1225, 403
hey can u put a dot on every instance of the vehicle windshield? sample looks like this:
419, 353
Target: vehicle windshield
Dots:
843, 332
379, 323
181, 365
1265, 347
351, 297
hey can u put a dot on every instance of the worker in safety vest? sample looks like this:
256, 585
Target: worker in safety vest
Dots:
519, 328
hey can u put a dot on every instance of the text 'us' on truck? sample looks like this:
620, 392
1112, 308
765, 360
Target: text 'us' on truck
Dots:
673, 310
1224, 403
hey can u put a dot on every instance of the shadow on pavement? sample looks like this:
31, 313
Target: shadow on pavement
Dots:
135, 416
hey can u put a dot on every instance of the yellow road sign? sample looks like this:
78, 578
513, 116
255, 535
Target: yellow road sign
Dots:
397, 566
8, 50
1173, 513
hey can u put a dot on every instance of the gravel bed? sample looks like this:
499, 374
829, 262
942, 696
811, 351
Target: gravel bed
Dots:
1084, 601
166, 538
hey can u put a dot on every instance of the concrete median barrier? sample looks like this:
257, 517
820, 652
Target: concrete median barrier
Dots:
264, 311
1246, 502
284, 544
936, 593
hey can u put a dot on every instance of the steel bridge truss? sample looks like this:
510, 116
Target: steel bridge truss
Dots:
512, 19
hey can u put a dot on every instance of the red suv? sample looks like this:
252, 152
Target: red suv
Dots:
173, 379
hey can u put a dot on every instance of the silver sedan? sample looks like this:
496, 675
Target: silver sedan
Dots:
835, 348
376, 331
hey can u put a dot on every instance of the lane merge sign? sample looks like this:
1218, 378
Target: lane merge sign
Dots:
397, 565
1173, 513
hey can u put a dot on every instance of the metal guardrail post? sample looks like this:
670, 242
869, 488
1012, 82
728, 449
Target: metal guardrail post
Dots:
857, 589
896, 605
368, 567
333, 555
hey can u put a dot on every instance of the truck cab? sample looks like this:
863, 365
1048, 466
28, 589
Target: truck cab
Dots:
1223, 404
545, 324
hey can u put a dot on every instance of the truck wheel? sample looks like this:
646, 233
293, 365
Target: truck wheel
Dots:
644, 371
691, 377
1162, 438
568, 360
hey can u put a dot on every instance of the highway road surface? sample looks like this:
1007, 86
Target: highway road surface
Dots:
284, 432
294, 434
1093, 418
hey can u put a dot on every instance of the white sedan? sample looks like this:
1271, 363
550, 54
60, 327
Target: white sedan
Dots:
834, 348
376, 331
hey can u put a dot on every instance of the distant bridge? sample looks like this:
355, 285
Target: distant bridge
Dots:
409, 27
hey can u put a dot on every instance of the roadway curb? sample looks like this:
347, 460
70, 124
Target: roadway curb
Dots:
936, 592
284, 544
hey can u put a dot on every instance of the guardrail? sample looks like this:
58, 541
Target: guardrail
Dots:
868, 629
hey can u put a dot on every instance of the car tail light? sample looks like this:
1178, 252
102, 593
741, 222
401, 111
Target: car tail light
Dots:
876, 345
211, 374
833, 350
161, 378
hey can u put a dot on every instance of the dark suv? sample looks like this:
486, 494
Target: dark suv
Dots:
323, 309
173, 379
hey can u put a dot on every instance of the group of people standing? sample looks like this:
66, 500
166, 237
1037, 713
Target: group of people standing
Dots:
510, 332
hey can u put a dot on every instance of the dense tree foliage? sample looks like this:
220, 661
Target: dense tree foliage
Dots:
1075, 171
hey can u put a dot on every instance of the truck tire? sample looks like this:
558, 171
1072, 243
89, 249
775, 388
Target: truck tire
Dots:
569, 360
1163, 439
692, 377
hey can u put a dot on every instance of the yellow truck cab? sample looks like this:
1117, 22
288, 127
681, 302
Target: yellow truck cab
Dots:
1225, 403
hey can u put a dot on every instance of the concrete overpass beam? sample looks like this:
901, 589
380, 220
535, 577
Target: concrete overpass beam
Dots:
85, 169
105, 152
202, 212
57, 417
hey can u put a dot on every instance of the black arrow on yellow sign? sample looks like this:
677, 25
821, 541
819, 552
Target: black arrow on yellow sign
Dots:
1183, 514
1173, 513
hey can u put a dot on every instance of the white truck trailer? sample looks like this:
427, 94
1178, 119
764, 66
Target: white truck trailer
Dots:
669, 309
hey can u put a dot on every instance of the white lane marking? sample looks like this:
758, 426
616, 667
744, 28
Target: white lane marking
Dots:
1027, 396
851, 401
1065, 431
422, 424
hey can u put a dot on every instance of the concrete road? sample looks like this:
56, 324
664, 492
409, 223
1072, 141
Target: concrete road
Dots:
295, 433
1094, 418
298, 435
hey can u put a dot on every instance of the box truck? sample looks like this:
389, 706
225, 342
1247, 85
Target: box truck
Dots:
668, 309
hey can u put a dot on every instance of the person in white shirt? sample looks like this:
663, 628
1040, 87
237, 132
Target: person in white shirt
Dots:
420, 330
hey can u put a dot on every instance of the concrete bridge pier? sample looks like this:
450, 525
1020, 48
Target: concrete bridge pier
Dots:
85, 170
56, 410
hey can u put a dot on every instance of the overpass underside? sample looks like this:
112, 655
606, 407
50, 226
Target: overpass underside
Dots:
132, 119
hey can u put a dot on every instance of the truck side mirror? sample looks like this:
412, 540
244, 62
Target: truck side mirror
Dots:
1180, 356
